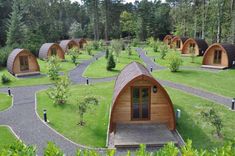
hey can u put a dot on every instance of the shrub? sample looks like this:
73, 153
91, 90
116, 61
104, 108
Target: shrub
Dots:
135, 42
213, 118
5, 79
151, 41
101, 44
95, 45
111, 63
155, 47
174, 61
52, 150
59, 94
18, 149
89, 48
53, 68
129, 50
74, 52
107, 53
163, 51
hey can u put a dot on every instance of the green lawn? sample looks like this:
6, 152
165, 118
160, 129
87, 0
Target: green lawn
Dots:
187, 61
192, 126
65, 118
6, 137
5, 101
98, 68
221, 83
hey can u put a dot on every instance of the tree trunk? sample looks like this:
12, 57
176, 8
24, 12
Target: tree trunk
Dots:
219, 22
203, 18
106, 3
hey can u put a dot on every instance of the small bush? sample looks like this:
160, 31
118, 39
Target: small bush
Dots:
89, 49
53, 68
192, 54
95, 45
151, 41
116, 46
74, 53
174, 61
155, 47
111, 63
129, 50
52, 150
163, 51
5, 79
135, 42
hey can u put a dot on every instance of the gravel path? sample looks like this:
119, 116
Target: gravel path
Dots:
22, 118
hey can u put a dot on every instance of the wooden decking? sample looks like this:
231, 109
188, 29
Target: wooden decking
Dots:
27, 74
214, 67
132, 135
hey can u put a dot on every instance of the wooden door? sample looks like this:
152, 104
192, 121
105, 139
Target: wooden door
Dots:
140, 103
24, 63
217, 56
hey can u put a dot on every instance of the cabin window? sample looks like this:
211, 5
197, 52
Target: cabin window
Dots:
53, 52
24, 63
192, 45
140, 103
217, 56
178, 44
70, 46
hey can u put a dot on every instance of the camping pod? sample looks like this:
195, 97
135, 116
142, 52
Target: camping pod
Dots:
68, 44
139, 102
51, 49
219, 56
81, 42
198, 45
178, 42
21, 62
167, 39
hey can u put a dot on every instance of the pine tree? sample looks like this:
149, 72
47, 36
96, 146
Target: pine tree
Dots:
111, 63
16, 31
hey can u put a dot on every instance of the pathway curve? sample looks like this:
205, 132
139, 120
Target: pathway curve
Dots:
22, 118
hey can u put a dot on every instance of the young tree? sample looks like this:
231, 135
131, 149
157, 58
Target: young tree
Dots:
111, 63
84, 106
16, 28
174, 61
74, 53
107, 53
163, 51
128, 23
53, 67
52, 150
60, 93
116, 46
129, 50
213, 118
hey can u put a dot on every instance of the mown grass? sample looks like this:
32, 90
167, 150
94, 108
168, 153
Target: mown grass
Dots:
187, 61
6, 137
98, 68
221, 83
5, 101
65, 118
191, 126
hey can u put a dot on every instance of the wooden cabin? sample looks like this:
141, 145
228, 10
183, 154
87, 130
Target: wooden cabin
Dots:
198, 45
51, 49
167, 39
81, 42
68, 44
139, 101
21, 62
178, 42
219, 56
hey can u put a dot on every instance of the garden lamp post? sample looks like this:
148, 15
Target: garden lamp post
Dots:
233, 103
154, 59
87, 81
9, 91
178, 113
151, 69
45, 115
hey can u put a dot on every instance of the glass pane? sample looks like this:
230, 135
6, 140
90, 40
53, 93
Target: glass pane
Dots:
135, 105
24, 65
145, 102
53, 52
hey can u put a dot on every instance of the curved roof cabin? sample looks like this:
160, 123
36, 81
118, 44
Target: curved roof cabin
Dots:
21, 62
199, 45
139, 101
219, 56
68, 44
167, 39
81, 42
178, 42
51, 49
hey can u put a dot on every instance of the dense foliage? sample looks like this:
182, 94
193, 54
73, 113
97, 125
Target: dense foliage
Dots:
18, 149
